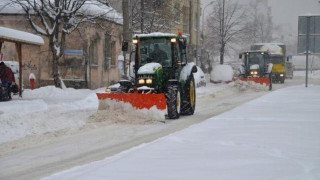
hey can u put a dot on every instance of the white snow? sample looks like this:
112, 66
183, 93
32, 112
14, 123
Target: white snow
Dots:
149, 68
221, 73
313, 74
185, 72
32, 76
254, 66
20, 36
273, 48
43, 110
155, 34
258, 140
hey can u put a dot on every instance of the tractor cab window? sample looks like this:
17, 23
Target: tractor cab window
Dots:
156, 50
255, 58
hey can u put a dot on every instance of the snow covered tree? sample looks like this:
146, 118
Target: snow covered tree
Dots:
55, 19
227, 25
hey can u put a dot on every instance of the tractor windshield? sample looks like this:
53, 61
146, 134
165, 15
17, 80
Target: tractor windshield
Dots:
255, 58
156, 50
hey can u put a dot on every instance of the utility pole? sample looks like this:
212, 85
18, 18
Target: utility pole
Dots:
126, 30
142, 16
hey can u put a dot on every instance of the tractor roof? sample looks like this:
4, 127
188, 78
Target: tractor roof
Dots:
157, 35
256, 51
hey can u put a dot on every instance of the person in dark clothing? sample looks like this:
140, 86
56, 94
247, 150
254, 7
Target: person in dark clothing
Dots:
158, 55
6, 77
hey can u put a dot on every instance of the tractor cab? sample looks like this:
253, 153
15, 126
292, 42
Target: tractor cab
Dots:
256, 67
159, 57
256, 63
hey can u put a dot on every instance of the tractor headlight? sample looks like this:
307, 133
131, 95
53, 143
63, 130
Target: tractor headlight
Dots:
281, 75
141, 81
254, 72
149, 81
108, 90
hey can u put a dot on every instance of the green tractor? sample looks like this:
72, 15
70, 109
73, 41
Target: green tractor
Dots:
256, 67
161, 76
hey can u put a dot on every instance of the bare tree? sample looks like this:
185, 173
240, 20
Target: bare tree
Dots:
227, 25
260, 23
57, 18
153, 15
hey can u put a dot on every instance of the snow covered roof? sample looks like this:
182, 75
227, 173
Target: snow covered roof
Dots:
9, 34
157, 34
93, 8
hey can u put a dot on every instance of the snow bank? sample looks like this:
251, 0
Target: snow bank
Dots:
313, 75
221, 73
114, 112
45, 110
259, 140
249, 85
149, 68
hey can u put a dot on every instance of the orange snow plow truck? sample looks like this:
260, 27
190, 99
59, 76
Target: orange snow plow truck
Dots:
161, 76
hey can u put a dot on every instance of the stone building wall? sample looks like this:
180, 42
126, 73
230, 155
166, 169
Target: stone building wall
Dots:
93, 69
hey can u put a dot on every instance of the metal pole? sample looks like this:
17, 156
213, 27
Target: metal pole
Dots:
307, 48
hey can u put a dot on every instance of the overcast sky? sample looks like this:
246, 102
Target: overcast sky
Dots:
286, 12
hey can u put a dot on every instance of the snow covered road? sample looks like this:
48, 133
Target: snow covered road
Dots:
60, 132
258, 140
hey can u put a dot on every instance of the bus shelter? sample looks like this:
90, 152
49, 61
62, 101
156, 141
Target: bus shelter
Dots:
19, 38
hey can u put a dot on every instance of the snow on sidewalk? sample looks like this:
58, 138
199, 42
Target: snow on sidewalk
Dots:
44, 110
273, 137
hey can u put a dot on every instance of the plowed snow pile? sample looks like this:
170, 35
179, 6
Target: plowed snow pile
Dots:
114, 112
249, 85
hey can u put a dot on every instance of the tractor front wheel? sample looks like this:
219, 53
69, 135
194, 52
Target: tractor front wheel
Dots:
173, 102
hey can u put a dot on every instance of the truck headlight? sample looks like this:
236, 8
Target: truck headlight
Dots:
281, 75
149, 81
141, 81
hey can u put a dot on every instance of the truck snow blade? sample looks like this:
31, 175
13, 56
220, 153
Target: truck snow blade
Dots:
139, 101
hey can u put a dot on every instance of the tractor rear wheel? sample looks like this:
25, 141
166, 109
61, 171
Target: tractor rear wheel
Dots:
173, 98
189, 104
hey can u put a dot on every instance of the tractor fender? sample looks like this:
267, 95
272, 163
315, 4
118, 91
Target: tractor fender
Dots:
187, 71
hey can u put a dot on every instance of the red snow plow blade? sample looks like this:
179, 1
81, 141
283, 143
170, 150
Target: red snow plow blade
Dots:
263, 80
139, 101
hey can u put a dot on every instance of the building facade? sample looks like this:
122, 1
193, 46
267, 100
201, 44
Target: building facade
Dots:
90, 59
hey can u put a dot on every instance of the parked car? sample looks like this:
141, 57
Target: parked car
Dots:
199, 77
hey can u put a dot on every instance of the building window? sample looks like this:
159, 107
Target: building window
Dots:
185, 19
113, 53
93, 52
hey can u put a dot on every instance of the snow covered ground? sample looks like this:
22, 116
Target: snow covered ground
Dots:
273, 137
313, 75
44, 110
